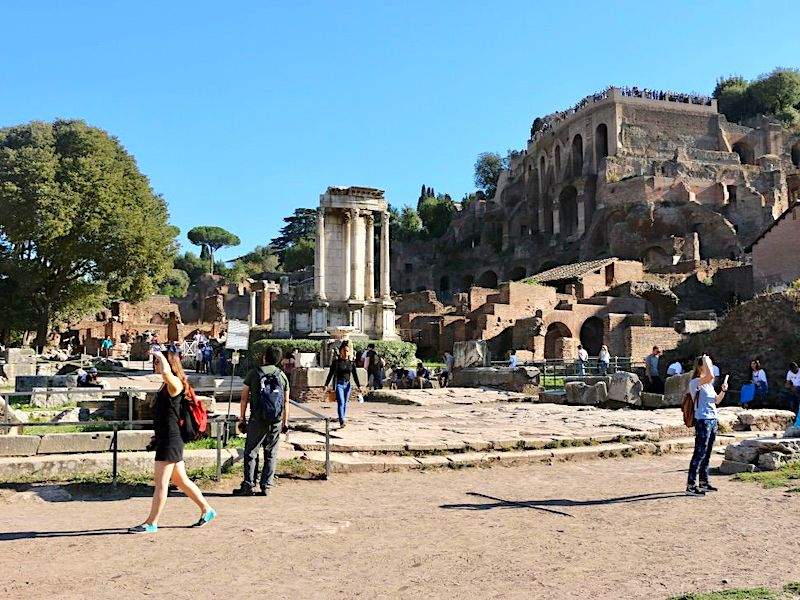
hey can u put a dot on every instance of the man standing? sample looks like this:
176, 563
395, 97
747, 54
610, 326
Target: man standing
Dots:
512, 359
651, 366
369, 365
266, 391
583, 357
447, 371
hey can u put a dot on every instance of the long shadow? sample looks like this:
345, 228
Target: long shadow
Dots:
560, 502
26, 535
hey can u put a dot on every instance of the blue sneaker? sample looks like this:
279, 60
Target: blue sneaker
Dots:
143, 528
207, 517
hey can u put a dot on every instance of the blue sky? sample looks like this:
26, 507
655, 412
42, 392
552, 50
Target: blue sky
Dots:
239, 112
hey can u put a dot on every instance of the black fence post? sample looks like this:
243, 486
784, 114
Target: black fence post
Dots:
114, 447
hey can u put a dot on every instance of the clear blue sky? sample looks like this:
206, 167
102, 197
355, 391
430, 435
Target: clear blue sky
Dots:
239, 112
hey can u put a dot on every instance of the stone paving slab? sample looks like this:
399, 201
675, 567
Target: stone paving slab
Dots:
450, 395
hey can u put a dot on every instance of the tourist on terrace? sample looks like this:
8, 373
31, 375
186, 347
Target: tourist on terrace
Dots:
169, 465
792, 390
208, 356
759, 378
651, 368
675, 368
603, 360
105, 346
198, 358
583, 358
341, 371
512, 359
701, 387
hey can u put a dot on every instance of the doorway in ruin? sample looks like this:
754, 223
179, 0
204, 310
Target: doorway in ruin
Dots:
568, 210
555, 331
746, 154
577, 155
592, 335
601, 143
488, 279
517, 273
467, 282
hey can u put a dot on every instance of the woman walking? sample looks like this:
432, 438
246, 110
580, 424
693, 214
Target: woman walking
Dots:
705, 398
342, 367
169, 465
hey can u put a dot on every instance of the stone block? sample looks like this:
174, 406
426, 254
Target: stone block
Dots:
625, 388
782, 445
19, 445
579, 393
675, 388
771, 461
731, 467
18, 355
67, 443
741, 453
432, 461
654, 401
520, 379
766, 419
472, 353
27, 383
574, 391
68, 381
133, 440
590, 380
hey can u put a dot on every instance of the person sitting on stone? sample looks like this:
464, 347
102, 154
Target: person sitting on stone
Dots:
791, 392
759, 379
89, 378
423, 376
675, 368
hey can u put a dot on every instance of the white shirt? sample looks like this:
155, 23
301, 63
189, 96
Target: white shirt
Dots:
605, 356
794, 378
583, 354
675, 369
759, 376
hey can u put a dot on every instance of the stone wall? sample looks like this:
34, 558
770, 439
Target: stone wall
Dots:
639, 340
776, 260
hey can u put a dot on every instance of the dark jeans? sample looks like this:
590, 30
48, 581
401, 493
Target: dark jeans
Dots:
602, 367
705, 432
792, 397
656, 385
266, 435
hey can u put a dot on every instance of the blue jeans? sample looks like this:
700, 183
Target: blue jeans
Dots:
342, 394
761, 390
603, 367
581, 368
705, 432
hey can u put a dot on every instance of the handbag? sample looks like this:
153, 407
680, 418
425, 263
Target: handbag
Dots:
330, 395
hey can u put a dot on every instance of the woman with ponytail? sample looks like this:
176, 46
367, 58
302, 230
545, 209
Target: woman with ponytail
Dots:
169, 465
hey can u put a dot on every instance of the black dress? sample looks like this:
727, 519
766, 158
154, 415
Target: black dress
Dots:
169, 444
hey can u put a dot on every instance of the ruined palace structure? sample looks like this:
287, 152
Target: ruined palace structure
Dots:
344, 299
656, 177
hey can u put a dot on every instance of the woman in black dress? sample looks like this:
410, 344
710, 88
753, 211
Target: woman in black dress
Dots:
169, 464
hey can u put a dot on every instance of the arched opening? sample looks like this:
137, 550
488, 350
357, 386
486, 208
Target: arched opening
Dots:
745, 152
568, 210
444, 283
577, 155
558, 162
466, 282
592, 334
488, 279
542, 174
517, 273
656, 256
547, 205
601, 142
555, 332
796, 154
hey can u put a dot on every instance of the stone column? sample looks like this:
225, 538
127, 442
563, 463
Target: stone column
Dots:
347, 230
369, 275
319, 258
385, 256
354, 262
252, 309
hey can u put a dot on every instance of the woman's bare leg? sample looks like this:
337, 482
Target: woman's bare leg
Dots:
188, 487
162, 473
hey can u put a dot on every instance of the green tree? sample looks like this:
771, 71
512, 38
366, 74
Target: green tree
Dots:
298, 256
733, 99
487, 171
78, 223
175, 285
435, 215
409, 225
191, 264
211, 238
777, 93
300, 225
260, 260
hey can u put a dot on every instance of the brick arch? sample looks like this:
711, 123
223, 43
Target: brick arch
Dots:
555, 331
488, 279
592, 335
577, 155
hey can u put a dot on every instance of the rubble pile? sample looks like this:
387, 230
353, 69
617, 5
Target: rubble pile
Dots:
762, 454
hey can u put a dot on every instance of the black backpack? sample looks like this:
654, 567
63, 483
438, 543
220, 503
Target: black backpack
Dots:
270, 397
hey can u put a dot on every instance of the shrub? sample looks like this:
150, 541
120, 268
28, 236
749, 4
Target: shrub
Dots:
257, 348
394, 353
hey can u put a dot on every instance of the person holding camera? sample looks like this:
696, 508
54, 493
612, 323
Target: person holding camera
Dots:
266, 392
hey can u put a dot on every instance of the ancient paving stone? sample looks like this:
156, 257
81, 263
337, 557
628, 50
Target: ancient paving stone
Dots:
731, 467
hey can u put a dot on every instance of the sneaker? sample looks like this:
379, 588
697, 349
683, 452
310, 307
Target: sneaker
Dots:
143, 528
207, 517
342, 424
693, 490
264, 492
243, 490
707, 487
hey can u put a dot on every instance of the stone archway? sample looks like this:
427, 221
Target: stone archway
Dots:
577, 155
592, 335
601, 143
467, 282
488, 279
745, 151
555, 332
568, 210
517, 273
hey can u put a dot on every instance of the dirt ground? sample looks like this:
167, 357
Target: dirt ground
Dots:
599, 529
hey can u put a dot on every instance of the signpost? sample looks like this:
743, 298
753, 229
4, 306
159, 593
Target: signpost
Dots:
238, 338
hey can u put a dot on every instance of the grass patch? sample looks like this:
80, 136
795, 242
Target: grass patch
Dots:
210, 443
759, 593
782, 478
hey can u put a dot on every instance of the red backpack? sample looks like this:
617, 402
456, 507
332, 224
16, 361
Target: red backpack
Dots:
193, 420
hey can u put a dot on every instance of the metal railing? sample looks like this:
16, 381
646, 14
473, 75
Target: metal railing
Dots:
553, 371
217, 423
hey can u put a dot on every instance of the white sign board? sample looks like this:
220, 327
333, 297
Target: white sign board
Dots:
238, 335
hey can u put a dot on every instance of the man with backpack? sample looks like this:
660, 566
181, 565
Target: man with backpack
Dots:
266, 391
375, 366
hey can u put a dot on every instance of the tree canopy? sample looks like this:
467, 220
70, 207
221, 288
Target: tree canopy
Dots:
211, 238
776, 93
295, 243
487, 171
79, 224
175, 285
435, 215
